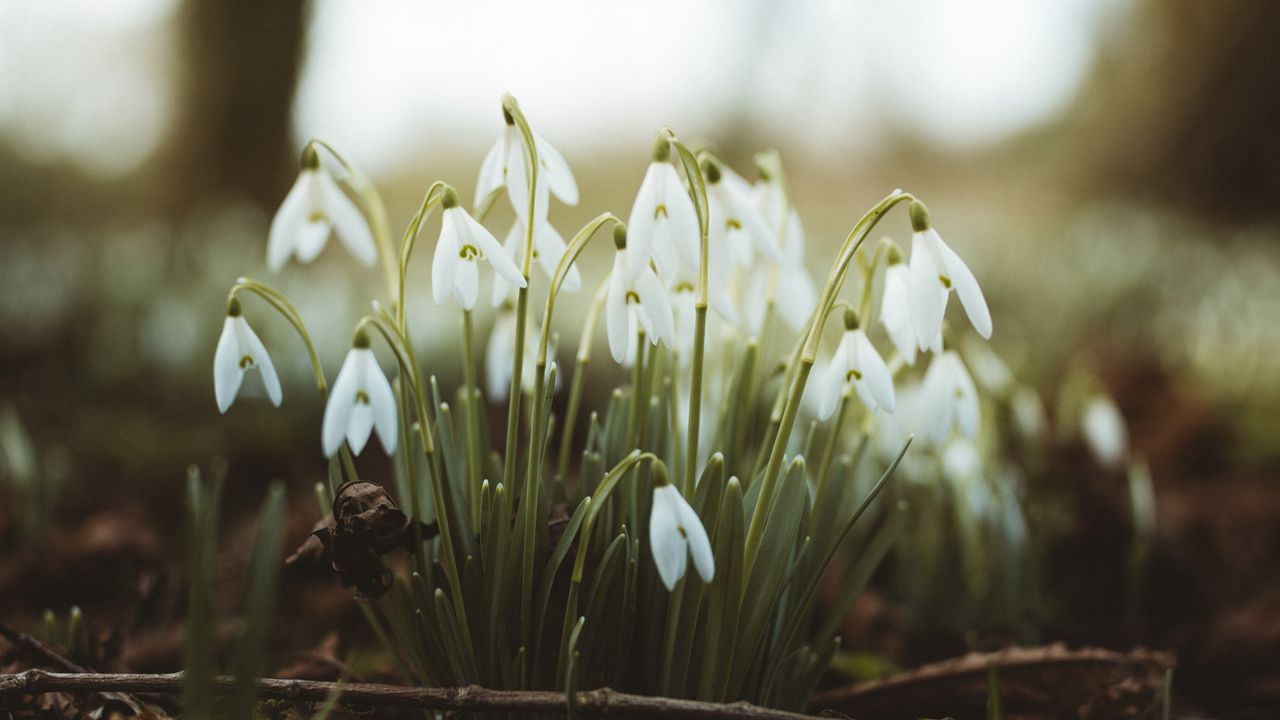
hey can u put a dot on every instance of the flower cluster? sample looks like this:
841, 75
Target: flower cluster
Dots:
699, 237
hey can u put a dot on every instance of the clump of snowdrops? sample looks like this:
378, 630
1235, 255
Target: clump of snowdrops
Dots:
665, 538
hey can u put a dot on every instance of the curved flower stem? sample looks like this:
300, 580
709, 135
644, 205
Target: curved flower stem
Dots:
528, 501
698, 192
536, 427
364, 188
807, 356
281, 304
435, 193
579, 377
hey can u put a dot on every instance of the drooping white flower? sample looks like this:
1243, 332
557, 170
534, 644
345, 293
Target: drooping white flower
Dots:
895, 308
314, 208
548, 248
734, 217
1104, 431
936, 270
793, 294
675, 533
949, 399
663, 225
239, 351
504, 165
360, 401
856, 361
463, 243
634, 302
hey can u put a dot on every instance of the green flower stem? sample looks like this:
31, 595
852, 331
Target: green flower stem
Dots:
868, 274
698, 192
281, 304
637, 388
435, 193
474, 407
528, 500
579, 377
833, 440
695, 390
377, 212
808, 355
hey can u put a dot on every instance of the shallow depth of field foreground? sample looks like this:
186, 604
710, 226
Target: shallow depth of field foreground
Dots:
728, 360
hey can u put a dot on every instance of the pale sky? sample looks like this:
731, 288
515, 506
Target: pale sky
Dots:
89, 80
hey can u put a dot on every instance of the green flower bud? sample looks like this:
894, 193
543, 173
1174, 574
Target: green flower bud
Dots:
711, 170
361, 340
310, 158
661, 148
850, 319
620, 236
449, 199
919, 216
233, 307
660, 478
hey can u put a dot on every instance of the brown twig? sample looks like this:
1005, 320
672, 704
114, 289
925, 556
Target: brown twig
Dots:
39, 650
590, 703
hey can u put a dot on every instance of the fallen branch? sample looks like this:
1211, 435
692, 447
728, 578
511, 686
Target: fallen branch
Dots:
590, 703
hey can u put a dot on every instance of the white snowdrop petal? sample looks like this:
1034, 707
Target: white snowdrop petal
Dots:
258, 351
337, 410
444, 264
669, 547
282, 238
493, 252
227, 374
696, 538
313, 235
359, 427
875, 373
966, 285
348, 222
466, 284
558, 176
498, 355
490, 177
616, 323
383, 402
830, 390
643, 220
653, 298
928, 296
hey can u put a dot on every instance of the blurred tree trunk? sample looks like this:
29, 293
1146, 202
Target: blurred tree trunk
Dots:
230, 134
1187, 112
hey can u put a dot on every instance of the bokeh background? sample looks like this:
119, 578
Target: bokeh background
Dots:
1110, 168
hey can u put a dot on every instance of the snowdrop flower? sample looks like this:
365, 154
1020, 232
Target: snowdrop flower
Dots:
239, 351
856, 361
360, 401
463, 243
895, 307
794, 295
1104, 431
632, 301
314, 208
548, 248
675, 533
949, 399
663, 225
504, 165
735, 218
935, 271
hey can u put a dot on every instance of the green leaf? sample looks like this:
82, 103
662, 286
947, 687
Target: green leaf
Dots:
250, 653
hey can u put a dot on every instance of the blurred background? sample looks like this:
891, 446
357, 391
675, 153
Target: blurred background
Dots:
1110, 169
